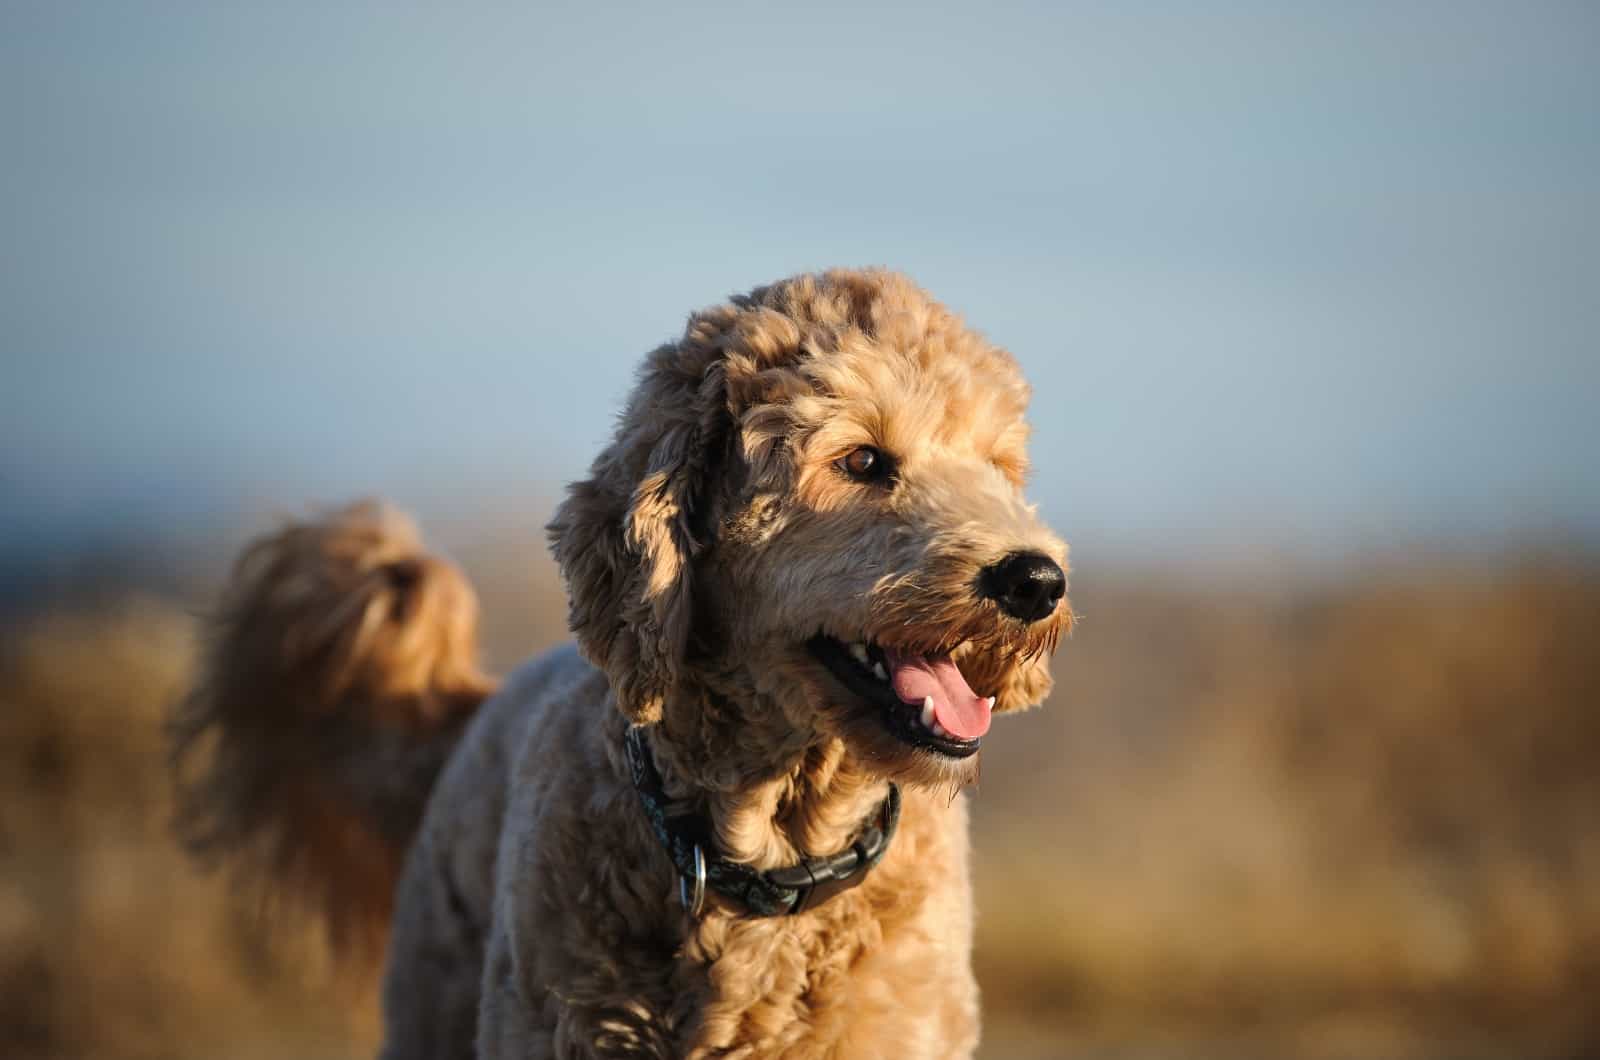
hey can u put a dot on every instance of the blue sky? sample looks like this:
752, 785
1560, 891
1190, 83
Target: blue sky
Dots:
1309, 277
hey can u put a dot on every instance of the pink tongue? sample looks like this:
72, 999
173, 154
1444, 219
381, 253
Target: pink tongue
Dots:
962, 712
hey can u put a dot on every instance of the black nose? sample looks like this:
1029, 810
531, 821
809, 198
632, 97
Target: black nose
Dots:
1026, 585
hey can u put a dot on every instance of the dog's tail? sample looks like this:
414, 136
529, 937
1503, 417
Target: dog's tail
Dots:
339, 672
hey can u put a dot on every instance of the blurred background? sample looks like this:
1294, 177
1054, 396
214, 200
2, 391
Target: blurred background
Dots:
1308, 296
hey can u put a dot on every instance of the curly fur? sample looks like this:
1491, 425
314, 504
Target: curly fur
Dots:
341, 668
536, 915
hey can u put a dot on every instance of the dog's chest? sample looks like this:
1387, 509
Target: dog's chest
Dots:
853, 982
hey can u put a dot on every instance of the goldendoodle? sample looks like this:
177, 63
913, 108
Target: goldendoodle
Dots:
728, 823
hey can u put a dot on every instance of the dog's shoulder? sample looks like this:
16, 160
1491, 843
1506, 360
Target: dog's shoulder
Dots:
557, 688
540, 684
468, 806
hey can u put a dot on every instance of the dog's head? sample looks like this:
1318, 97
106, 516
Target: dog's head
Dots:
815, 498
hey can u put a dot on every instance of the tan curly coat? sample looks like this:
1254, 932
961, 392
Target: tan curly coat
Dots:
536, 914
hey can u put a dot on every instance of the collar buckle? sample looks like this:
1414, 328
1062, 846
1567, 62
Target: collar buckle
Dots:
816, 879
777, 892
692, 893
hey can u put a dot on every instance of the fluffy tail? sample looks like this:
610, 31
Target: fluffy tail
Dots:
340, 670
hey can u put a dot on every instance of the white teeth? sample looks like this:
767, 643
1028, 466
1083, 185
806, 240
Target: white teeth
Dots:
991, 702
927, 713
859, 652
939, 730
880, 672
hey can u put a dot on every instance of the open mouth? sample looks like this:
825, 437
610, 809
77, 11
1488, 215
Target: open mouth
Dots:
923, 699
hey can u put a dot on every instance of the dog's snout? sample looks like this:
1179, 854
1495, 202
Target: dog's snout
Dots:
1026, 585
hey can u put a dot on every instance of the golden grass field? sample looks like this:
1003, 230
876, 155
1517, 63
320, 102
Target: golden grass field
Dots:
1351, 816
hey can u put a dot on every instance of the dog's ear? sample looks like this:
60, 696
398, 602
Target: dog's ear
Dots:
627, 536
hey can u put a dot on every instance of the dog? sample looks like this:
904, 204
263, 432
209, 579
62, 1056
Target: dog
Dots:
728, 822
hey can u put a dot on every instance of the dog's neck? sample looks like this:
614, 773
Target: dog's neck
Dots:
771, 794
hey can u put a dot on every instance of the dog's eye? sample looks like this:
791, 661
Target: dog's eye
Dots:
866, 464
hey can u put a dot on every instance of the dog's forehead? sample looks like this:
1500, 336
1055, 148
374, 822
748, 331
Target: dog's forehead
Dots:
905, 394
867, 357
908, 386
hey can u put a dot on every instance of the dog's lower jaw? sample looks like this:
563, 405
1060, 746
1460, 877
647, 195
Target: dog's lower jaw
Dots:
878, 751
912, 724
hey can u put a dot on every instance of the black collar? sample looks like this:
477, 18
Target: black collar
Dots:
775, 892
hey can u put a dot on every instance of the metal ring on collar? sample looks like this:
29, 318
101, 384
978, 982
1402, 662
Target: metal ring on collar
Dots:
694, 901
